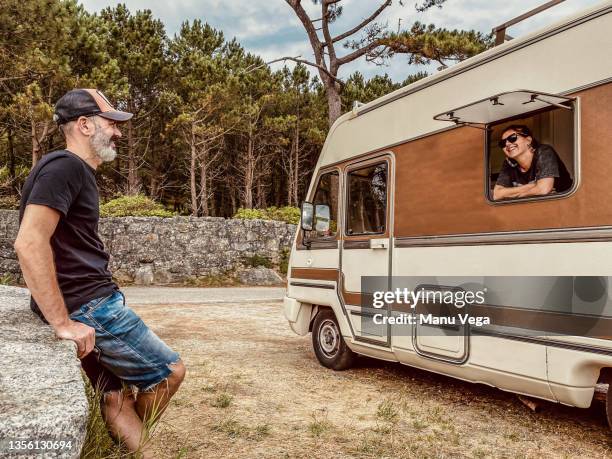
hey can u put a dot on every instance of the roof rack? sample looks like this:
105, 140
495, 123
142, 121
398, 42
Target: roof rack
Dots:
500, 30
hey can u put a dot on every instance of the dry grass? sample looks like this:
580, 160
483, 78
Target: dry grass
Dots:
255, 390
98, 442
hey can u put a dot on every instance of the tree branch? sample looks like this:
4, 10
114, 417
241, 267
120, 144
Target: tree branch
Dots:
316, 44
363, 23
327, 35
312, 64
359, 52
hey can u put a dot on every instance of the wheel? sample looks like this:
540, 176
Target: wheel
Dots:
609, 406
329, 346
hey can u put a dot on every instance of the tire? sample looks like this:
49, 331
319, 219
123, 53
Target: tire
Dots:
609, 406
329, 345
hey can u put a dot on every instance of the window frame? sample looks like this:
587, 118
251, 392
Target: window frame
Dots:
488, 191
364, 165
336, 235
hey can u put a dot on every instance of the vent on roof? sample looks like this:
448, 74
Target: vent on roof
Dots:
503, 106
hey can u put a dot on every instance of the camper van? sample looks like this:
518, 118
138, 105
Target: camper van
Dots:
421, 187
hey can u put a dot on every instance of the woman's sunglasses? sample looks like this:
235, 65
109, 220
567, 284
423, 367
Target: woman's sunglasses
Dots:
511, 138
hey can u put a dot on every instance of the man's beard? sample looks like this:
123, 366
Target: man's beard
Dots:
101, 144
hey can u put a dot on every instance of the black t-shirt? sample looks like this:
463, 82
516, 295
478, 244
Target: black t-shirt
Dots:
546, 163
63, 181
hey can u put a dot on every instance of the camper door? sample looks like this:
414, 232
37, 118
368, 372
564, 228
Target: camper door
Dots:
366, 241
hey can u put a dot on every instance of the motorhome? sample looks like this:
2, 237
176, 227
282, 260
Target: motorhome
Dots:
405, 188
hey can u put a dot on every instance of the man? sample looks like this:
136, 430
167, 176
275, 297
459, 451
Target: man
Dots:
66, 269
530, 169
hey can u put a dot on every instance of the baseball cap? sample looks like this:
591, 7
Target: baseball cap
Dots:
86, 102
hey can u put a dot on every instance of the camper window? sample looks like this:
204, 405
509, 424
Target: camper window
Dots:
367, 200
327, 194
531, 157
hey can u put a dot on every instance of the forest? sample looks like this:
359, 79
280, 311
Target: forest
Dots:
215, 129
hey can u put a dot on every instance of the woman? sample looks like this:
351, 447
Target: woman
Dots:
530, 169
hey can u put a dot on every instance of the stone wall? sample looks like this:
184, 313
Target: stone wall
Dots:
147, 250
42, 394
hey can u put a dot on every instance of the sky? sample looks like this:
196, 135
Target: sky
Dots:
270, 28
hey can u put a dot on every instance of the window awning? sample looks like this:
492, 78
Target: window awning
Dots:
502, 106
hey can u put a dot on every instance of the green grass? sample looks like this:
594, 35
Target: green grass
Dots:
231, 427
98, 443
319, 425
8, 279
387, 412
222, 400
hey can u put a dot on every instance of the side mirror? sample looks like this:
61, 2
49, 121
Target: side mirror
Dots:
322, 218
307, 220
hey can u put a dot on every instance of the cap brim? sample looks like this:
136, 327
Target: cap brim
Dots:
116, 115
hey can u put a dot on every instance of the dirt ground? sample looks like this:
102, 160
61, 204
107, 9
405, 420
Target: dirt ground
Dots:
255, 390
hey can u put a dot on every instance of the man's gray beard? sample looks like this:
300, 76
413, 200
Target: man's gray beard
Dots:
101, 145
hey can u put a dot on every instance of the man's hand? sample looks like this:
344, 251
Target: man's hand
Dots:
83, 335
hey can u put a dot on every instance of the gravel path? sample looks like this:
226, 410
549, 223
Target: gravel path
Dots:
255, 390
179, 295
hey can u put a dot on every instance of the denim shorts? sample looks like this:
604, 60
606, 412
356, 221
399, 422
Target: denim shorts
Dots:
125, 346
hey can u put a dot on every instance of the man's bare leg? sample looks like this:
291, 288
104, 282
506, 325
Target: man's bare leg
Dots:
152, 404
119, 411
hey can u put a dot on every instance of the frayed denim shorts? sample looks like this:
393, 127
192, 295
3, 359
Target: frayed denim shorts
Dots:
125, 346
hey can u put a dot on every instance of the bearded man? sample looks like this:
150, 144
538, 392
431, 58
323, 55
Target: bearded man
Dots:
65, 266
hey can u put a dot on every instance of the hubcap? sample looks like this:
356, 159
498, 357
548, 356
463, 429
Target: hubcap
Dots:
329, 338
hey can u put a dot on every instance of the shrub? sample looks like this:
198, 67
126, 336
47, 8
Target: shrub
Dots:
9, 202
285, 214
134, 206
257, 260
283, 266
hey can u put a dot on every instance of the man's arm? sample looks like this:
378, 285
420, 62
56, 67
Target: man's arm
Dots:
33, 247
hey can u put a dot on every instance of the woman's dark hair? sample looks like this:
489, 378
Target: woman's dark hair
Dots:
524, 131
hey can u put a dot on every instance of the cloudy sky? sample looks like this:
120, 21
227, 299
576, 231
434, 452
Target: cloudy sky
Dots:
269, 27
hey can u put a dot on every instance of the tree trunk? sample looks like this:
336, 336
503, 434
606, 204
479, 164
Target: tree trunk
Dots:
35, 144
192, 176
11, 155
233, 201
203, 182
296, 157
290, 174
154, 185
334, 103
132, 182
261, 194
249, 173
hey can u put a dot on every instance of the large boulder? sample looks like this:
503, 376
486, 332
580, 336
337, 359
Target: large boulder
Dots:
42, 394
259, 276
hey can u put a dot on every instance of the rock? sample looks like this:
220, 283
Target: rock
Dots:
149, 250
144, 275
259, 276
42, 394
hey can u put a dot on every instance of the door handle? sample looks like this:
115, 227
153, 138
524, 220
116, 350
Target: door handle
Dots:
379, 243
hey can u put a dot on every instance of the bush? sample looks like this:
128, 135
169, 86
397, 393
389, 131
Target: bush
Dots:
285, 214
134, 206
283, 266
9, 202
256, 261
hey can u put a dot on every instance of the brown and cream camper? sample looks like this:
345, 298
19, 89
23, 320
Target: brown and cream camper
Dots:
426, 188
